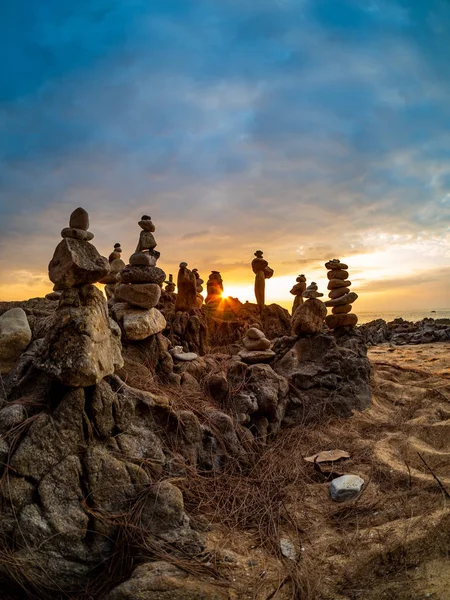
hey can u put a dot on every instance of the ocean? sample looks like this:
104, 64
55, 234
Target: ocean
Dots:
408, 315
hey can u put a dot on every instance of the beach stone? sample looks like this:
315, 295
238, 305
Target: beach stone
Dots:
335, 264
251, 344
254, 357
340, 310
15, 336
146, 224
338, 292
178, 353
312, 294
254, 333
140, 324
76, 263
143, 295
77, 234
142, 274
140, 259
54, 296
341, 320
338, 283
345, 299
337, 274
346, 487
79, 219
308, 317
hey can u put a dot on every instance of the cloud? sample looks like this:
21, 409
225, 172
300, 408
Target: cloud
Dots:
196, 235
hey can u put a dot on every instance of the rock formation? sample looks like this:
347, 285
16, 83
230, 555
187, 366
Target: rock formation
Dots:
187, 294
297, 291
199, 288
139, 289
308, 318
262, 272
256, 347
170, 286
214, 290
341, 298
116, 265
15, 335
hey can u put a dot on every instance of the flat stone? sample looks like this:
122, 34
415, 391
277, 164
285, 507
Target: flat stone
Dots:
308, 317
254, 357
338, 292
335, 264
337, 274
311, 294
254, 333
340, 310
143, 295
346, 487
76, 263
15, 335
140, 259
54, 296
77, 234
337, 283
252, 344
140, 324
341, 320
345, 299
178, 354
79, 219
142, 274
146, 225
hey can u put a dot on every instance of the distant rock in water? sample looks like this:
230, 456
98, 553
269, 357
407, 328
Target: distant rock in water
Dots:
403, 332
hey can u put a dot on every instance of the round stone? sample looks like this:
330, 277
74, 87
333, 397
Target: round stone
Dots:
337, 274
254, 333
338, 292
140, 274
337, 283
346, 487
147, 225
335, 264
308, 317
340, 310
77, 234
143, 295
79, 219
140, 259
260, 344
341, 320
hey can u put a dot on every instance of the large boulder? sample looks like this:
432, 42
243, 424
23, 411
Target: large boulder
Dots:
308, 318
83, 344
138, 323
15, 335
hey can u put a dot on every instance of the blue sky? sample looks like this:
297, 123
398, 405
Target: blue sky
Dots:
310, 128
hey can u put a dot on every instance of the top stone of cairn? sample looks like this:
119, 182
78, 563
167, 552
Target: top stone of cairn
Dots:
79, 219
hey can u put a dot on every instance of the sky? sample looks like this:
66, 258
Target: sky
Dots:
309, 129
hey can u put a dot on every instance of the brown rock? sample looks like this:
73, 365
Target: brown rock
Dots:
308, 318
140, 259
254, 333
260, 344
337, 274
337, 283
79, 219
76, 263
345, 299
143, 295
15, 335
256, 356
338, 292
147, 274
339, 310
77, 234
335, 264
335, 321
139, 324
187, 293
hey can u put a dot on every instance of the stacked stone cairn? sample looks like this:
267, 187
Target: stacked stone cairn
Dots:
170, 286
297, 291
214, 290
198, 288
256, 347
341, 298
83, 344
139, 289
262, 271
308, 317
187, 294
116, 265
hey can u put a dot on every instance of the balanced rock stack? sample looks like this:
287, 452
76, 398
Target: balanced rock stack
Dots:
83, 344
116, 265
341, 298
147, 240
138, 291
170, 286
256, 347
198, 287
187, 295
214, 289
297, 291
308, 317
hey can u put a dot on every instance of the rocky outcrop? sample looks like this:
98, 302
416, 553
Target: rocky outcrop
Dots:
15, 335
403, 332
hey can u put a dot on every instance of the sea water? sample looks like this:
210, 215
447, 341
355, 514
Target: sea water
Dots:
407, 315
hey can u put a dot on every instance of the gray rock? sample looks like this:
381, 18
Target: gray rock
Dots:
287, 548
77, 234
137, 274
12, 415
346, 487
76, 263
15, 335
142, 295
308, 318
139, 324
140, 259
345, 299
79, 219
256, 356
